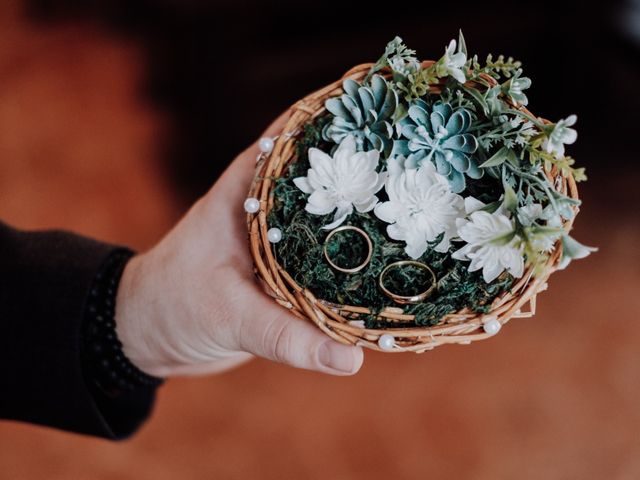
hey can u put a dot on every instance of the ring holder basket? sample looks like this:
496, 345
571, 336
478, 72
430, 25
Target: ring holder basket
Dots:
340, 322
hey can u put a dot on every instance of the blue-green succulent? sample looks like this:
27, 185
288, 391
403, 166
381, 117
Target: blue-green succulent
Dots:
364, 111
439, 133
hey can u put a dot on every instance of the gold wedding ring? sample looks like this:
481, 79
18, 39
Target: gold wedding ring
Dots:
405, 299
361, 233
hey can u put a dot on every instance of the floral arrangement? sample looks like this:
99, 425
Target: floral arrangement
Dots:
436, 168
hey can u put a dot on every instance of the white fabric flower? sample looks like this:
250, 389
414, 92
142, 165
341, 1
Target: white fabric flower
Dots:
552, 218
342, 182
404, 65
573, 250
544, 243
484, 233
421, 206
472, 204
529, 214
560, 135
541, 241
454, 62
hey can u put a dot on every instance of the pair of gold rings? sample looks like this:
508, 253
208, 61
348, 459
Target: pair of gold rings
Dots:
401, 299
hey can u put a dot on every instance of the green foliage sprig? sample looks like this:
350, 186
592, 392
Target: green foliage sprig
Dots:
499, 68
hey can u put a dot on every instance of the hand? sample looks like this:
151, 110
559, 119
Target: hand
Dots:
191, 304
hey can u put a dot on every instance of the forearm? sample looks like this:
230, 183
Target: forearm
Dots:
45, 281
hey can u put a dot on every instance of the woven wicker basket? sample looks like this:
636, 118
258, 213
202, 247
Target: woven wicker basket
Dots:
341, 321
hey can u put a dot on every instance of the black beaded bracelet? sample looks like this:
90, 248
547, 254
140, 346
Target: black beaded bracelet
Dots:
104, 361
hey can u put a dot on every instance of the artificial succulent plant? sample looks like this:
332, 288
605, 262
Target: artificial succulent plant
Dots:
364, 111
439, 133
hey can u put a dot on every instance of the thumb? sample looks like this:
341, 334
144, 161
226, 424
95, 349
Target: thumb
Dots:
278, 335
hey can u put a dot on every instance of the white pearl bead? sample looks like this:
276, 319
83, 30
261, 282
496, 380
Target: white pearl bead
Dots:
492, 326
386, 342
265, 144
251, 205
274, 235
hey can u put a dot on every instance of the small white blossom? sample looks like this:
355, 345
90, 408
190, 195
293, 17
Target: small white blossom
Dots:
453, 62
560, 135
515, 86
573, 250
543, 241
421, 206
341, 182
404, 65
552, 218
488, 245
529, 214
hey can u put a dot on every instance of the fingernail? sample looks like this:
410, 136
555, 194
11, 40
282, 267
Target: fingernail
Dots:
337, 357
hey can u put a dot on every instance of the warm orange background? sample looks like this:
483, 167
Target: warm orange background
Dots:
554, 397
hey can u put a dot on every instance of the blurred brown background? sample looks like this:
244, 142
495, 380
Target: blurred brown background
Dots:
115, 115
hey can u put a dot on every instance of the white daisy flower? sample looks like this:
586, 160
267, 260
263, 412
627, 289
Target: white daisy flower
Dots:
421, 206
488, 245
341, 182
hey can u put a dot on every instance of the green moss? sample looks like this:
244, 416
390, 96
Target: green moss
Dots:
301, 254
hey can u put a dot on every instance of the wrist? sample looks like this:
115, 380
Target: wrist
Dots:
132, 316
104, 362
